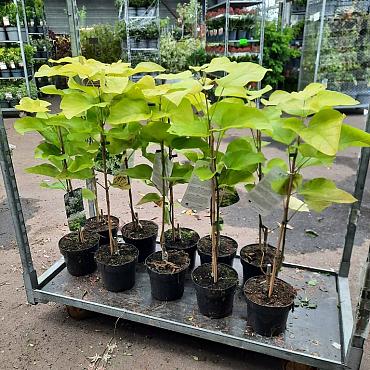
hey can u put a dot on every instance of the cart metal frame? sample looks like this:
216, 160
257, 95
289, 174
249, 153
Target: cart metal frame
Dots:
352, 340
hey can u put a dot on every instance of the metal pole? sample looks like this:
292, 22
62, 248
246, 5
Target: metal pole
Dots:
300, 76
362, 326
21, 46
317, 62
29, 273
227, 22
74, 30
354, 213
262, 32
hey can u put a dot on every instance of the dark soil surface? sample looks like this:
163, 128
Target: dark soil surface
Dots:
253, 254
126, 253
92, 224
228, 197
256, 290
227, 247
188, 238
227, 277
177, 261
71, 242
147, 229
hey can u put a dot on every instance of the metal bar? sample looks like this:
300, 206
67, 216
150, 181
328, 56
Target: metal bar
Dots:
227, 25
345, 313
300, 76
73, 27
198, 332
317, 62
29, 273
51, 272
21, 46
354, 212
262, 34
361, 330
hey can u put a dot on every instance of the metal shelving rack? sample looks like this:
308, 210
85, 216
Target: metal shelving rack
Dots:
139, 21
260, 8
336, 47
22, 33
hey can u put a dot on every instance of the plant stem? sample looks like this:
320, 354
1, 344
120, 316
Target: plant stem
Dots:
163, 245
96, 202
112, 245
65, 165
171, 202
133, 217
213, 210
281, 241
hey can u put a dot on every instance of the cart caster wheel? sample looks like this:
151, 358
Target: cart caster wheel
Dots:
79, 313
295, 366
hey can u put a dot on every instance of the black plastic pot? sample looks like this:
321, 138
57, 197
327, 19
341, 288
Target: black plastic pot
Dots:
118, 278
5, 73
2, 34
249, 269
12, 33
242, 34
166, 286
227, 259
80, 262
132, 11
215, 302
141, 11
267, 320
104, 235
40, 29
16, 72
189, 250
145, 245
13, 102
4, 104
43, 54
32, 29
232, 35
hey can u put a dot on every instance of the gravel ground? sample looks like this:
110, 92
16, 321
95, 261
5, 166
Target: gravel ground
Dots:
44, 336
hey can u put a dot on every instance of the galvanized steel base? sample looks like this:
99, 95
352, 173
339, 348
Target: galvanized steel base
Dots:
313, 335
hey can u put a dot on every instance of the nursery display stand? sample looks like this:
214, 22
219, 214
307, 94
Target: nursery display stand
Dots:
22, 33
226, 16
321, 337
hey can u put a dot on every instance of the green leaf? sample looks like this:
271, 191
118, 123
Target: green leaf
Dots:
141, 171
196, 128
275, 162
33, 106
156, 132
327, 98
297, 205
128, 110
44, 169
147, 67
352, 136
80, 163
232, 177
189, 143
241, 159
320, 193
281, 185
242, 74
88, 194
323, 131
51, 90
27, 124
203, 172
174, 76
114, 84
75, 104
59, 185
219, 64
89, 90
150, 197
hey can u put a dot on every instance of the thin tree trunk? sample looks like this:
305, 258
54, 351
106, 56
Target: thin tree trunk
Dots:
214, 241
171, 203
133, 217
163, 245
106, 187
96, 201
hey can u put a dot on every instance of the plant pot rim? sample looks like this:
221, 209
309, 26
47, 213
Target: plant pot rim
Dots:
219, 255
252, 245
206, 265
267, 306
169, 231
78, 250
185, 267
147, 236
119, 244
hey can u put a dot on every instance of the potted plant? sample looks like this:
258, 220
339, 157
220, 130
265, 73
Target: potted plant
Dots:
67, 160
4, 103
304, 129
2, 29
14, 58
10, 21
216, 282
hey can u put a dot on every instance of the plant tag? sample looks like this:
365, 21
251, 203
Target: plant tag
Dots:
263, 198
198, 193
12, 65
3, 65
8, 96
6, 21
120, 181
157, 172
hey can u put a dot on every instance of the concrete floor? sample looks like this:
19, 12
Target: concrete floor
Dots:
44, 336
